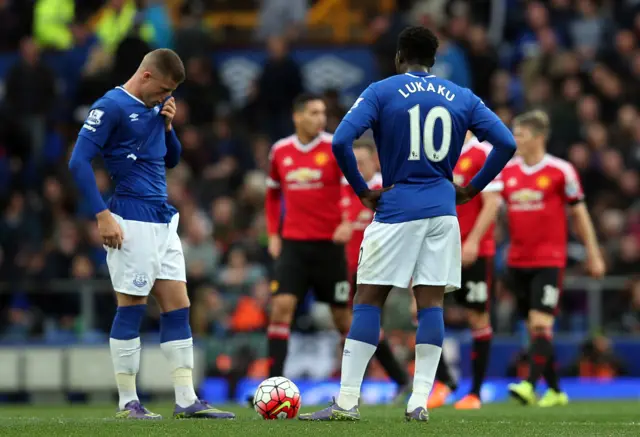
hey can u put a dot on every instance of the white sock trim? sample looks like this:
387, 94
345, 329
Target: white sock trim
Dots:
427, 359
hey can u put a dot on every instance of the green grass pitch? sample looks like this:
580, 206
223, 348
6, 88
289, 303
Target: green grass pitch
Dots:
499, 420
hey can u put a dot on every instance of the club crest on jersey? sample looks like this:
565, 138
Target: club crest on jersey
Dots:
321, 158
140, 280
543, 182
465, 164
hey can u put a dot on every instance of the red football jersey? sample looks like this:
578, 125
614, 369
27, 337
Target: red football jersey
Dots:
309, 179
360, 216
536, 198
472, 158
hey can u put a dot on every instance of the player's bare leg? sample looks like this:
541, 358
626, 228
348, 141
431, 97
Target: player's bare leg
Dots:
124, 343
283, 308
480, 325
177, 345
359, 347
429, 338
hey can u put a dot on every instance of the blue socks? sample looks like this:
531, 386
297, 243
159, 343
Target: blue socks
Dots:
430, 326
174, 325
126, 324
365, 326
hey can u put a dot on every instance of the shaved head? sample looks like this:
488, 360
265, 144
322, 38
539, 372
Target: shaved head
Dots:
166, 63
159, 74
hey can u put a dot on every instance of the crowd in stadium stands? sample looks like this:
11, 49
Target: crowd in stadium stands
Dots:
578, 60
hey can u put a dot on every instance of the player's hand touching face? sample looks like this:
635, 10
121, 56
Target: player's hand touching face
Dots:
110, 231
169, 111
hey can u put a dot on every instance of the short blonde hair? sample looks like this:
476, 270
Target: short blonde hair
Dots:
537, 121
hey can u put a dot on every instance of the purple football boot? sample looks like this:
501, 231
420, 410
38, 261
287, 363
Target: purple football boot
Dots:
201, 410
135, 410
332, 412
420, 414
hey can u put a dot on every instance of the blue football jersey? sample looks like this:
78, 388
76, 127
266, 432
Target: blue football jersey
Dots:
131, 137
419, 124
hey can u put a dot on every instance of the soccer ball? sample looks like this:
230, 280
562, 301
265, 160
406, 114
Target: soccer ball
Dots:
277, 398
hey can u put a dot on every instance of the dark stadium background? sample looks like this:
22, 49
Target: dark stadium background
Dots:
246, 60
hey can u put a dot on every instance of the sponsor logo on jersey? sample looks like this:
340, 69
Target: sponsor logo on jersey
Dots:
287, 161
303, 175
526, 195
133, 117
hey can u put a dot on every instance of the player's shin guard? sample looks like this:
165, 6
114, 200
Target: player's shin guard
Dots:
429, 338
278, 337
540, 354
124, 343
177, 345
480, 357
359, 347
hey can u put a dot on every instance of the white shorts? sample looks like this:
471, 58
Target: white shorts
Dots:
149, 251
426, 251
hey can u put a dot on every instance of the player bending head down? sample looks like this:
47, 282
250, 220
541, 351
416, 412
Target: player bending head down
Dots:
130, 126
537, 189
419, 123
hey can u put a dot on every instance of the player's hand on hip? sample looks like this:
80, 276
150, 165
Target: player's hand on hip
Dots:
109, 229
370, 198
169, 111
343, 233
464, 194
469, 252
596, 267
275, 246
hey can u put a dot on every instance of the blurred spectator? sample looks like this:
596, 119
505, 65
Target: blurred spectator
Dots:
200, 253
279, 83
117, 20
596, 361
12, 26
204, 93
282, 17
31, 94
52, 26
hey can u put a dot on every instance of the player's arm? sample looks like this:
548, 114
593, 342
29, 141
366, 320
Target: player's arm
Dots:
488, 127
93, 136
273, 206
583, 224
174, 149
344, 231
362, 116
491, 201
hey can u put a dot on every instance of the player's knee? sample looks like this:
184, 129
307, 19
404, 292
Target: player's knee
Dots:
125, 300
540, 323
171, 295
283, 307
478, 320
374, 295
428, 296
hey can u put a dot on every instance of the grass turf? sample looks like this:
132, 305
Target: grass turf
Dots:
504, 420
